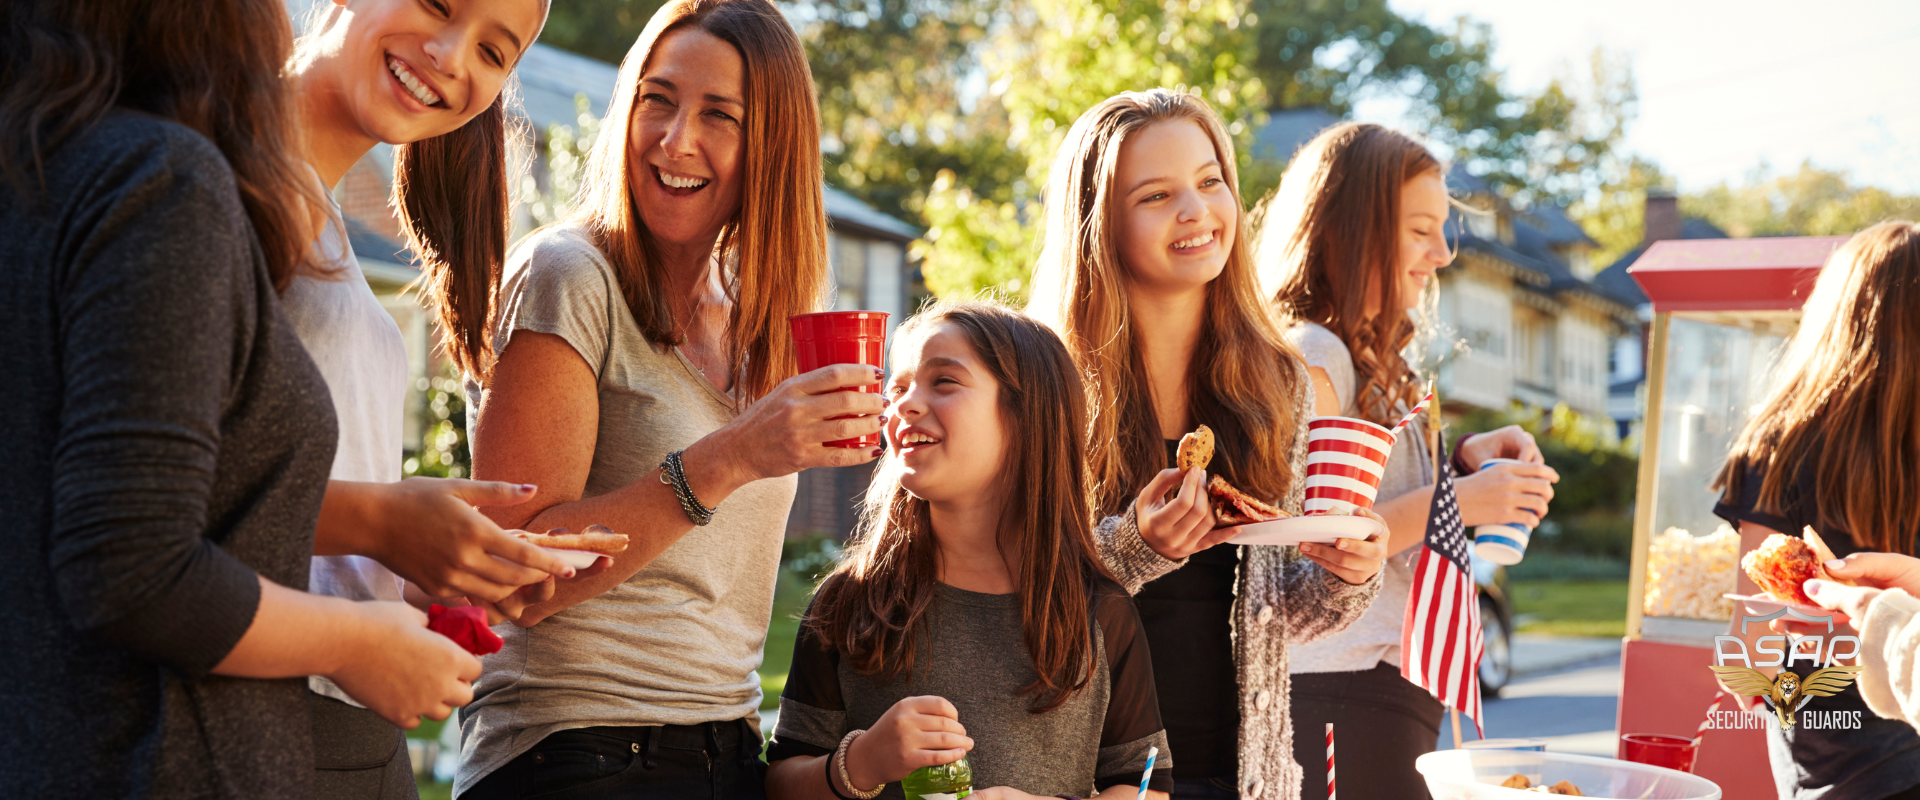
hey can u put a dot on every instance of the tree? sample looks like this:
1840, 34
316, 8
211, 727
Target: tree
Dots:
1809, 202
602, 29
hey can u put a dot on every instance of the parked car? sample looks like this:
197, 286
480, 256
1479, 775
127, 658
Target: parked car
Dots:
1496, 626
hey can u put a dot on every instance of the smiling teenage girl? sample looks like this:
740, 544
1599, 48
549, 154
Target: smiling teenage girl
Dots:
1351, 240
972, 614
427, 76
646, 381
1146, 276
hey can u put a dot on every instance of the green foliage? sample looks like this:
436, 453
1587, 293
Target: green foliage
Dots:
443, 449
1570, 607
602, 29
566, 161
1809, 202
810, 558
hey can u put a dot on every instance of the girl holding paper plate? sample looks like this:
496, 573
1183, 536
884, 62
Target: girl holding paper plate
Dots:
1146, 275
1347, 247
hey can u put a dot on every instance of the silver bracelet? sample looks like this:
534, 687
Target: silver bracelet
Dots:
840, 757
674, 474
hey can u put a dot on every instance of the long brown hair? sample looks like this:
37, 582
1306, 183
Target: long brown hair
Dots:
1244, 378
872, 608
775, 249
1329, 237
451, 191
215, 66
1846, 397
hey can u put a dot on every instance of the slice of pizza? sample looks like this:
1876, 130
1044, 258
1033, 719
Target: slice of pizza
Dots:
1781, 565
1241, 507
1823, 554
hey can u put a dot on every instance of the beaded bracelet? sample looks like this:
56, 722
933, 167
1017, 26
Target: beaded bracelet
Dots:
840, 755
674, 474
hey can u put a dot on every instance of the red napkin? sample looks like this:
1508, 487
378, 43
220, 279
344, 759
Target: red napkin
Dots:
466, 626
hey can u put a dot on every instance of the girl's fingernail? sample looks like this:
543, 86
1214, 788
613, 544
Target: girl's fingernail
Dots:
1836, 564
878, 451
1813, 586
528, 487
569, 573
883, 419
879, 374
884, 401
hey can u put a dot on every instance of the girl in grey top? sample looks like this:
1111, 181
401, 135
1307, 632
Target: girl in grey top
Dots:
1347, 276
972, 614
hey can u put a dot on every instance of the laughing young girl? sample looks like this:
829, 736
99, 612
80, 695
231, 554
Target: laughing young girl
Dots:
972, 615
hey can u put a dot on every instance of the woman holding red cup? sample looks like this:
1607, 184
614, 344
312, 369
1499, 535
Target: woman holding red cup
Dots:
1348, 246
646, 381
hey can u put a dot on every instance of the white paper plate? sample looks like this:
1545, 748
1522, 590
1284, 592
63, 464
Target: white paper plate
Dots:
1762, 604
1320, 528
578, 559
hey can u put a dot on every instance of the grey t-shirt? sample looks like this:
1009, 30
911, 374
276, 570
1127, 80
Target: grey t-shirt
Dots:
679, 642
1375, 637
978, 661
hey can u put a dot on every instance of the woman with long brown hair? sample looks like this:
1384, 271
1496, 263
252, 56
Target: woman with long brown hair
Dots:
645, 381
1836, 447
430, 80
1146, 275
1347, 247
972, 613
169, 439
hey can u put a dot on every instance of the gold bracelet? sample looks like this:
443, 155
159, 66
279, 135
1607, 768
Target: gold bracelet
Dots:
840, 756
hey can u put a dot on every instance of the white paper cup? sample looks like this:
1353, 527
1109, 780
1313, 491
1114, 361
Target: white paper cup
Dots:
1506, 543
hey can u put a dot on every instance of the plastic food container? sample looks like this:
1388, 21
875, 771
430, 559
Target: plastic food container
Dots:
1476, 774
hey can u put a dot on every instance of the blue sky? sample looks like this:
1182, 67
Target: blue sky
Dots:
1726, 85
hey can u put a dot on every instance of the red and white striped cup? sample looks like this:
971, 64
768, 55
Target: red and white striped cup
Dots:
1345, 457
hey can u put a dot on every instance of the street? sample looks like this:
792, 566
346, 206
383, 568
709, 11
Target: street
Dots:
1565, 691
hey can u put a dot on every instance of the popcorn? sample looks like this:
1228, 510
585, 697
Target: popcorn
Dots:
1687, 574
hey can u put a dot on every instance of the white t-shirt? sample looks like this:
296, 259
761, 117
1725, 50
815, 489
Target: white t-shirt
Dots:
360, 352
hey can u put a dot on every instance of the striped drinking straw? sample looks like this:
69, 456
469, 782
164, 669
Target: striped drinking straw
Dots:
1330, 795
1700, 733
1415, 412
1147, 775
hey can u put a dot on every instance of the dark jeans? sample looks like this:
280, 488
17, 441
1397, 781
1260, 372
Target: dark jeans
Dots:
357, 755
713, 761
1203, 789
1381, 723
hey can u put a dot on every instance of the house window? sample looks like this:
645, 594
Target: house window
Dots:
1533, 347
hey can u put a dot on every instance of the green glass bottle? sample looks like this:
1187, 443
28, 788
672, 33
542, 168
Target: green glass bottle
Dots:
945, 782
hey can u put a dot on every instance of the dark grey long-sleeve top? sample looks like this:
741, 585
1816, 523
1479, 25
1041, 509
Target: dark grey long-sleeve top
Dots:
163, 439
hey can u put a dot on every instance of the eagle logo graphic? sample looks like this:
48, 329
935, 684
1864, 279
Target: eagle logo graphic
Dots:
1787, 692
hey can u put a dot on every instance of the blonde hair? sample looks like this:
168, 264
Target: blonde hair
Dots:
1244, 380
1846, 398
775, 249
1329, 237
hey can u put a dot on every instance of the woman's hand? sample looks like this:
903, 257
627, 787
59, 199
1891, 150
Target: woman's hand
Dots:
1506, 494
1512, 442
1352, 560
402, 671
1183, 525
1875, 572
532, 594
787, 430
427, 531
916, 732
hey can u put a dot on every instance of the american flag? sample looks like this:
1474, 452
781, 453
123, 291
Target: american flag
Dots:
1440, 643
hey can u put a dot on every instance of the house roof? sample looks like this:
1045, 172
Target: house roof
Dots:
1615, 278
847, 213
1287, 129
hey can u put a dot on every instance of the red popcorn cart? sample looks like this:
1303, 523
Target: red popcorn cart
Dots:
1722, 309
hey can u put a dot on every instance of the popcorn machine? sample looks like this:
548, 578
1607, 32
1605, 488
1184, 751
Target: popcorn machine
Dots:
1722, 309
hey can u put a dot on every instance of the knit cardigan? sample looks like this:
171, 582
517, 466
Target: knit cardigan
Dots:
1281, 598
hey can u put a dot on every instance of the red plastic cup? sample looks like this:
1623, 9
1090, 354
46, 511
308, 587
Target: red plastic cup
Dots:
1345, 459
842, 337
1672, 752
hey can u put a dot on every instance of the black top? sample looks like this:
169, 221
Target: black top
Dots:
1188, 616
976, 658
166, 439
1879, 758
